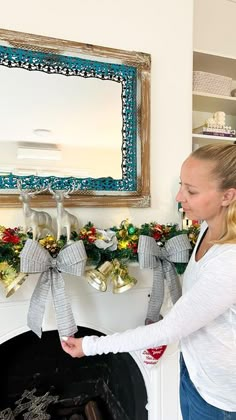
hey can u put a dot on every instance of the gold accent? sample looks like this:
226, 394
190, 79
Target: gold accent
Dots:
14, 285
98, 278
123, 282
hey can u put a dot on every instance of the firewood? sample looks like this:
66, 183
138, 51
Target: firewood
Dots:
92, 411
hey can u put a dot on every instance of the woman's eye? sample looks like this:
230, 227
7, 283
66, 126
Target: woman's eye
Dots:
191, 192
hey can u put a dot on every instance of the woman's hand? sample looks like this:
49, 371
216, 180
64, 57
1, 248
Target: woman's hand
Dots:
72, 346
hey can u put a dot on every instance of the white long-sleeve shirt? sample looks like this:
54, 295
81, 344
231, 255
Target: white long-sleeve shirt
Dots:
204, 319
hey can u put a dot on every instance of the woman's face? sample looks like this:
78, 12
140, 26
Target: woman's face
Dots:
199, 192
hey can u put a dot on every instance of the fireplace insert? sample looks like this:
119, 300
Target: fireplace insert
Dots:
36, 374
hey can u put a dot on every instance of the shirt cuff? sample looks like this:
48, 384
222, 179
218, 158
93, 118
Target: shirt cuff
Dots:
89, 345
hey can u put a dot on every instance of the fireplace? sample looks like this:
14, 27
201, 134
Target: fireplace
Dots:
139, 389
113, 382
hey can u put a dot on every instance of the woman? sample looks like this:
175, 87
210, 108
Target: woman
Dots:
204, 318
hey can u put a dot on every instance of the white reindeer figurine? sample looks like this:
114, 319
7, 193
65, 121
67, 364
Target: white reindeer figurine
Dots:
38, 221
64, 218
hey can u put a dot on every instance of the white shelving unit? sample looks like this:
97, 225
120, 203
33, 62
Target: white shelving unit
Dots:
205, 104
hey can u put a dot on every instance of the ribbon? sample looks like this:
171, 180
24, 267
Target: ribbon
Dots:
161, 259
36, 259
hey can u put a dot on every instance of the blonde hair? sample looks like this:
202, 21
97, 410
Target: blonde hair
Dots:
224, 157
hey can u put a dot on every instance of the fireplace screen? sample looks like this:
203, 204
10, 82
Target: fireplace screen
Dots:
40, 381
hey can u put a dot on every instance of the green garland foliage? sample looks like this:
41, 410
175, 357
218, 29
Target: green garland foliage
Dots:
118, 242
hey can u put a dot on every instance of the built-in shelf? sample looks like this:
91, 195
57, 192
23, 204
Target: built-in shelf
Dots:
207, 102
214, 63
202, 139
206, 137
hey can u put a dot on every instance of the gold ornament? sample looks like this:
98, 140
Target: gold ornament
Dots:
11, 280
121, 279
98, 277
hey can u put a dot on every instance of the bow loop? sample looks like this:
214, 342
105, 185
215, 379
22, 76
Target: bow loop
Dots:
72, 259
161, 259
148, 252
36, 259
178, 248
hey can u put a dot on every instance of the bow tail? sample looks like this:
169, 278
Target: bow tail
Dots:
64, 316
37, 304
157, 296
173, 283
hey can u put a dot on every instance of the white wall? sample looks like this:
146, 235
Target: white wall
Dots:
162, 28
214, 26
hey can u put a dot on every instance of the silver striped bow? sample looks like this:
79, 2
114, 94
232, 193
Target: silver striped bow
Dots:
36, 259
161, 259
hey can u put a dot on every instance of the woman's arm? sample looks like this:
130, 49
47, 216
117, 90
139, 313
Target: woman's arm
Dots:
210, 297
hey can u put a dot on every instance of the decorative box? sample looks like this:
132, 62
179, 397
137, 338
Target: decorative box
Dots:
211, 83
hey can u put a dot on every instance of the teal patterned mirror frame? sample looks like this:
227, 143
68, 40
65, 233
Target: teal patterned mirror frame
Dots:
132, 71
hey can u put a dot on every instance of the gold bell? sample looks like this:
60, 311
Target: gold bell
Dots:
14, 284
98, 277
121, 279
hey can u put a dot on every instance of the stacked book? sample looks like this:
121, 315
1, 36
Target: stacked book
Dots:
223, 131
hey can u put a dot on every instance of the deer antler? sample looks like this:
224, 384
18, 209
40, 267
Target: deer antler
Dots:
19, 184
29, 192
38, 191
51, 190
71, 190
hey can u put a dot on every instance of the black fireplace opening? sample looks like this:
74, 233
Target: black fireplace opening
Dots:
38, 377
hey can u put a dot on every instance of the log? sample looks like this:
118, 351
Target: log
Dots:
92, 411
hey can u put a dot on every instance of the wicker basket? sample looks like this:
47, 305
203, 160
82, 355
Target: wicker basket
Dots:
211, 83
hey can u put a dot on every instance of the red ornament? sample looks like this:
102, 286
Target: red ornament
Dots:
157, 235
151, 356
157, 232
157, 352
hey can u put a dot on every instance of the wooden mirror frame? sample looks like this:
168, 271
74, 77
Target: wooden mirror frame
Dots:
142, 62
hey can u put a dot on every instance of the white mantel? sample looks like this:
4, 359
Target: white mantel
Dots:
105, 312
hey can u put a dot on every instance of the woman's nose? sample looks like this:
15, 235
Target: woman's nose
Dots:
179, 197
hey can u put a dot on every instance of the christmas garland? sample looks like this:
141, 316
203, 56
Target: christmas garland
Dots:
118, 243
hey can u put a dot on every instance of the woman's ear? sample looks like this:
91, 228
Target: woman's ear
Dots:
229, 196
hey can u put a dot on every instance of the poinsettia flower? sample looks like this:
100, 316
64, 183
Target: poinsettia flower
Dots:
106, 239
10, 236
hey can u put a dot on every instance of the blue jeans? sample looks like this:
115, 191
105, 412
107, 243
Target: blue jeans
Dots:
193, 406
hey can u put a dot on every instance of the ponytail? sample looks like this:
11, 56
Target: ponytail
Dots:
229, 236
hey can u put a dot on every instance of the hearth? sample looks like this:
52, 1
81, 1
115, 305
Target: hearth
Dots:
109, 387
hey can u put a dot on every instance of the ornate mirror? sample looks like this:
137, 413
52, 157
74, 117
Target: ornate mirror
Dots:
73, 117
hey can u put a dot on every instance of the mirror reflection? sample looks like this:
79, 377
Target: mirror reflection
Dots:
74, 114
61, 132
